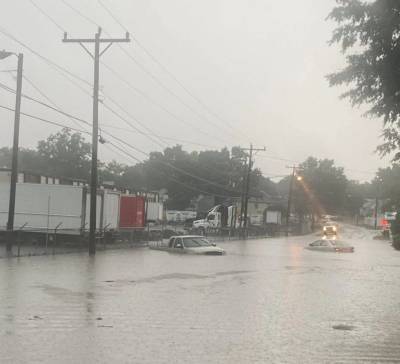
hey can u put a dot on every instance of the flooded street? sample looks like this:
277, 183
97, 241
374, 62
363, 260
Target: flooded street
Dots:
266, 301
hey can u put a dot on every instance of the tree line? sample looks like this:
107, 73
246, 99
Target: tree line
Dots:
324, 187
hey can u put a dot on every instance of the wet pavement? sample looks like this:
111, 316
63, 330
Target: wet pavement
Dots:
266, 301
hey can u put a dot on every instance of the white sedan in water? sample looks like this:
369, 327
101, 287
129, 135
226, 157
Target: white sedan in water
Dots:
193, 244
330, 245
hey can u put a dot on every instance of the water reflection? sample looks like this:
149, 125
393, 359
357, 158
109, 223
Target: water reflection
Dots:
265, 301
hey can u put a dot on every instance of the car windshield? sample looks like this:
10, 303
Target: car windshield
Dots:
195, 242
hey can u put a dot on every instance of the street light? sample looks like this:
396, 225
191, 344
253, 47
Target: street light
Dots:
5, 54
292, 178
14, 164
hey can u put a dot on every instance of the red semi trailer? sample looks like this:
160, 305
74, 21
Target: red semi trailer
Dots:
132, 212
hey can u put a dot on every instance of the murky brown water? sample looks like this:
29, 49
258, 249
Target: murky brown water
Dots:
266, 301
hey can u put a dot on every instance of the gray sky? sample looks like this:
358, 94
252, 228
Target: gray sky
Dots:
259, 65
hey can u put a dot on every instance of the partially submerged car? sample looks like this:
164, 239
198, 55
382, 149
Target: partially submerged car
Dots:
330, 245
193, 244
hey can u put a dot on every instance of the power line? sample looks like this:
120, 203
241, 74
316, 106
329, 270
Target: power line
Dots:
161, 107
47, 98
155, 60
46, 120
113, 144
112, 15
123, 79
45, 59
47, 16
163, 137
56, 109
176, 180
148, 98
80, 13
131, 125
118, 139
87, 123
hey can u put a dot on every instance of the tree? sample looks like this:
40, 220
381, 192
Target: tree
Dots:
356, 193
369, 34
387, 185
324, 184
66, 154
28, 160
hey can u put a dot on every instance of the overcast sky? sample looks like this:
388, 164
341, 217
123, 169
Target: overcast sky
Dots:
258, 65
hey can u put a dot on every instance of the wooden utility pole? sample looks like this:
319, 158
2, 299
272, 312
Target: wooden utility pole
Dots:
247, 189
95, 133
14, 164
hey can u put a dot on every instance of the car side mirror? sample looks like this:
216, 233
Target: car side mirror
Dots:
179, 246
213, 244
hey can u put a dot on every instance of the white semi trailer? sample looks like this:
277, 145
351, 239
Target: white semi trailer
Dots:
46, 207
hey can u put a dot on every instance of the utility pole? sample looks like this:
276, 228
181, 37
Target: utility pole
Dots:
14, 163
242, 196
379, 180
247, 189
95, 133
289, 205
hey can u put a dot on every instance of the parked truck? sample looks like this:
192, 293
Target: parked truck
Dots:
219, 217
222, 217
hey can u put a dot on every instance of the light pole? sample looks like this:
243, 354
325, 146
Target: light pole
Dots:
289, 205
14, 163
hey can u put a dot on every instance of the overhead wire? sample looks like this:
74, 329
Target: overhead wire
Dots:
140, 92
155, 60
65, 71
47, 16
114, 137
43, 58
46, 120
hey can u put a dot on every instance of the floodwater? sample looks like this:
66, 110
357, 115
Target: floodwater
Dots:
266, 301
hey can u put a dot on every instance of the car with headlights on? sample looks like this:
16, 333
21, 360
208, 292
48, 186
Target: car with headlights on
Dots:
330, 229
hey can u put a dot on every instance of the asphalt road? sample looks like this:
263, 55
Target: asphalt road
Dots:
266, 301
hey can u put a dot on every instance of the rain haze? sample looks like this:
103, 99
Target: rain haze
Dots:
257, 67
181, 181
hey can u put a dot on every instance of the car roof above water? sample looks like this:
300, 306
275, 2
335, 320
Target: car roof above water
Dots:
187, 236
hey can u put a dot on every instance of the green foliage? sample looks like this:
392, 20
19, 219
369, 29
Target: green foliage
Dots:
395, 230
356, 193
65, 154
218, 173
321, 190
387, 186
326, 185
369, 34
